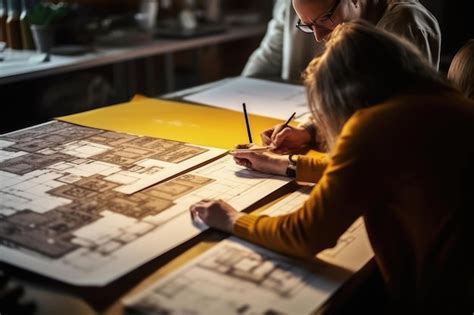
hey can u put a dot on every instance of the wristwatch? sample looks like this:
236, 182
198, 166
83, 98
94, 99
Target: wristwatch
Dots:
291, 169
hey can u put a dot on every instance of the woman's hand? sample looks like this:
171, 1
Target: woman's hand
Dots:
215, 213
265, 162
283, 140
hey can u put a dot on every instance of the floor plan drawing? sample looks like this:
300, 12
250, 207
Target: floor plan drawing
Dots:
66, 211
234, 277
63, 152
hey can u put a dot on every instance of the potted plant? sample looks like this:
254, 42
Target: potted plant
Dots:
42, 19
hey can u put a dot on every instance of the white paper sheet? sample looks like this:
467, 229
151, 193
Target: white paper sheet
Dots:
235, 277
266, 98
102, 237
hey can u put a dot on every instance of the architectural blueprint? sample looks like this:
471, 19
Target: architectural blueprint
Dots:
64, 153
65, 211
236, 277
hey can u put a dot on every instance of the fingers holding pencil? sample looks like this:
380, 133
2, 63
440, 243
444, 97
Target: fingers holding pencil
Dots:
244, 153
277, 137
260, 159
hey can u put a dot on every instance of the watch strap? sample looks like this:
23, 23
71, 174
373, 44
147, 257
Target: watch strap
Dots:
291, 169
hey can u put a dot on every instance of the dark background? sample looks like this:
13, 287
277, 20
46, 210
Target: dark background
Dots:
34, 101
455, 18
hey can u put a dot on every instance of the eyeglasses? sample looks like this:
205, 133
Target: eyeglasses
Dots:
323, 21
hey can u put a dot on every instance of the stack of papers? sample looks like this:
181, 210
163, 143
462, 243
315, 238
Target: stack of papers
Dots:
266, 98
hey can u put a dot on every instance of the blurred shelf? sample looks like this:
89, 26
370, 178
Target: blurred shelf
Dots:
101, 56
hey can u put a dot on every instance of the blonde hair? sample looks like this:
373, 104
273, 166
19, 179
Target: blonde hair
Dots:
362, 66
461, 70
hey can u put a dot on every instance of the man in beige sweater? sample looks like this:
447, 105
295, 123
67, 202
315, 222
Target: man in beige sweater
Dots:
286, 50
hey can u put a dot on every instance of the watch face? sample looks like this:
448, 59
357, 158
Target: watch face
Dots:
293, 158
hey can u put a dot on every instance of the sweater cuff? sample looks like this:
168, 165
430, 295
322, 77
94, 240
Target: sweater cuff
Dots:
244, 224
310, 168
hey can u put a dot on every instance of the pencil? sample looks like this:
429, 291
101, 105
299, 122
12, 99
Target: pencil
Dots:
260, 149
249, 133
284, 126
288, 121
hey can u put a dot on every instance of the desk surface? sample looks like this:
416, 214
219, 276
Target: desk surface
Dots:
106, 55
55, 298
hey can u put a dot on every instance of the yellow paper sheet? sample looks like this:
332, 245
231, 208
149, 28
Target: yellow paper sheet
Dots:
185, 122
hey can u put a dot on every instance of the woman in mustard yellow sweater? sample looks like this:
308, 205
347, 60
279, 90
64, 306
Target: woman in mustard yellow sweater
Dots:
401, 155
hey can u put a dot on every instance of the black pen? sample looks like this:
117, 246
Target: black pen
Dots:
247, 124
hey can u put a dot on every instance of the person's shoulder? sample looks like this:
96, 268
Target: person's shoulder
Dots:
282, 7
364, 123
385, 119
409, 9
385, 132
367, 128
405, 110
408, 13
376, 117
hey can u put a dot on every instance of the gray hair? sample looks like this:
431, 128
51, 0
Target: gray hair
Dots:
360, 67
